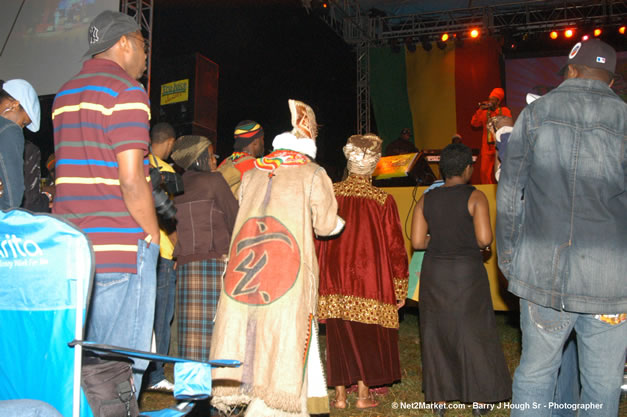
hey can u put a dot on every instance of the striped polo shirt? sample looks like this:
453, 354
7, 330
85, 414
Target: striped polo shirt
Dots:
99, 113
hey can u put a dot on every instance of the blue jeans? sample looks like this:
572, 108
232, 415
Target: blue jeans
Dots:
601, 348
123, 307
164, 312
568, 387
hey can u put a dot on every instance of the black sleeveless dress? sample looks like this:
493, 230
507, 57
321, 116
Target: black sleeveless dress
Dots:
462, 358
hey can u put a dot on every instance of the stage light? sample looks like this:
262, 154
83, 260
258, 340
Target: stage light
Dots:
474, 33
395, 46
410, 44
426, 43
459, 42
585, 37
621, 30
597, 32
553, 34
444, 37
568, 33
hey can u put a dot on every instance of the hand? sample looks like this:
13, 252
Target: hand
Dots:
485, 105
500, 121
400, 304
1, 189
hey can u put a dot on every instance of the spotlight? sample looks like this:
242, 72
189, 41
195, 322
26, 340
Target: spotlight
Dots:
553, 34
474, 33
441, 45
621, 30
459, 42
426, 44
410, 44
597, 32
444, 37
395, 46
585, 37
568, 33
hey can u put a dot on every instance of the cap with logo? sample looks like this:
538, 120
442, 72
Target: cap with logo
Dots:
593, 53
22, 91
107, 28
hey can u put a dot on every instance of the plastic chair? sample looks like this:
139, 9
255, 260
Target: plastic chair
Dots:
46, 268
46, 272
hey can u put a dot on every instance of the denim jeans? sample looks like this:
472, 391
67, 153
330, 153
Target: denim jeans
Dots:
601, 348
123, 307
164, 312
568, 387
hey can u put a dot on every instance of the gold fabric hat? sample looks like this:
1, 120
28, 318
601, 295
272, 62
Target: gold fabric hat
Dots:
362, 153
188, 148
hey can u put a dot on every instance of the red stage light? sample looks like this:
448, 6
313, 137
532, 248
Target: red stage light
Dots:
568, 33
621, 30
553, 35
597, 32
474, 33
585, 37
444, 37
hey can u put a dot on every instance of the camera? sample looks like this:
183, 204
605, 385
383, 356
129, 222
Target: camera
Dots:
164, 183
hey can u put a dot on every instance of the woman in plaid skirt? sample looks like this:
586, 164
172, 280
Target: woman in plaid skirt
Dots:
205, 217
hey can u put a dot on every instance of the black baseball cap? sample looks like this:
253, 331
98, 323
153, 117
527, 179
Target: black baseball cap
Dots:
593, 53
107, 28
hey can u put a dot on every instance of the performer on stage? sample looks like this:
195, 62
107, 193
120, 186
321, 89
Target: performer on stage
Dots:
363, 280
486, 110
266, 310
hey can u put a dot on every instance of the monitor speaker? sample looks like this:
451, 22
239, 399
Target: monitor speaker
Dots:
185, 94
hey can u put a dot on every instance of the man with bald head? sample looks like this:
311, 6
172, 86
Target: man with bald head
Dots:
101, 136
488, 109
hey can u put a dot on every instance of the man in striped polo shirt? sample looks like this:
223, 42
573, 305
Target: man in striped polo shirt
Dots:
101, 136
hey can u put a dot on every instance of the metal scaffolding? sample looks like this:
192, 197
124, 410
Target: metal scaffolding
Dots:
363, 31
142, 11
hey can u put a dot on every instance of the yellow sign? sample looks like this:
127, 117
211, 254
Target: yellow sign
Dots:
174, 92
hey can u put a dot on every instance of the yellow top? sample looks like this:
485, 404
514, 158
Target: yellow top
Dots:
167, 248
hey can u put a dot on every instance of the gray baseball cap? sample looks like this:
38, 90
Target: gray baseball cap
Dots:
107, 28
593, 53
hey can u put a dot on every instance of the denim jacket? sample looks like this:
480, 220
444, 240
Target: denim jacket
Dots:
561, 225
11, 163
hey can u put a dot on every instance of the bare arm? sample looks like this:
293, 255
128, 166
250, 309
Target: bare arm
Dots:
419, 227
136, 191
480, 212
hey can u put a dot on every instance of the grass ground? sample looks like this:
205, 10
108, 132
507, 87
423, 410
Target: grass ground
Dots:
405, 398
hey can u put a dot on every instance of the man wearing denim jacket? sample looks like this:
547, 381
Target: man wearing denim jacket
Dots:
561, 222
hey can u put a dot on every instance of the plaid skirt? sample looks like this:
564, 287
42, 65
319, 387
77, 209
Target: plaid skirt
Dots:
198, 289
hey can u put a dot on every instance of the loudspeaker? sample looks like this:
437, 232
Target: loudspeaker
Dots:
185, 94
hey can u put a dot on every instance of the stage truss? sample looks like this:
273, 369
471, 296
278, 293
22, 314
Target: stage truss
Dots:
142, 11
364, 29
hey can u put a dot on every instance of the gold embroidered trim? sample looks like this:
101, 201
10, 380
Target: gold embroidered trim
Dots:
362, 310
400, 288
359, 187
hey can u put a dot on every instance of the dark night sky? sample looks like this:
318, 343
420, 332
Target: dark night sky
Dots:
267, 54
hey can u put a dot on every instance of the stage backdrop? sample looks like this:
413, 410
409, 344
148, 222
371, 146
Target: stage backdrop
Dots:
435, 92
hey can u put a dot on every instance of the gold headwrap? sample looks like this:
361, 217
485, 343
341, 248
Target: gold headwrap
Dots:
303, 120
362, 153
